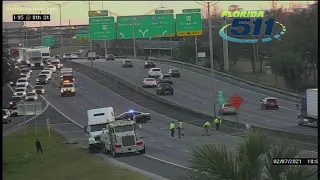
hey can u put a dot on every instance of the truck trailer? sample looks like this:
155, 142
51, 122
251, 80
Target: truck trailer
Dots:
35, 58
309, 109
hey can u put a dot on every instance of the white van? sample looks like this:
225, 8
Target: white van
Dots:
97, 121
154, 72
45, 54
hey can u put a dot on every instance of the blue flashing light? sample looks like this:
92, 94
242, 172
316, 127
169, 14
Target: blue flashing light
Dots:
131, 111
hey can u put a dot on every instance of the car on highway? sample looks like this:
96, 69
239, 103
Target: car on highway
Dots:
47, 69
174, 72
68, 89
26, 71
24, 86
74, 56
149, 64
154, 72
165, 78
23, 81
149, 82
164, 88
42, 79
14, 111
24, 76
53, 68
269, 103
138, 117
66, 56
56, 63
47, 73
20, 92
127, 63
14, 100
110, 57
6, 116
39, 89
227, 109
31, 96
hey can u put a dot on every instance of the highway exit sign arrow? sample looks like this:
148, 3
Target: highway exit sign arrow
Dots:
189, 24
236, 101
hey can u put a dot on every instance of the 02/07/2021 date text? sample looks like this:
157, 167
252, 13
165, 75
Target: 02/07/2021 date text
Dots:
295, 161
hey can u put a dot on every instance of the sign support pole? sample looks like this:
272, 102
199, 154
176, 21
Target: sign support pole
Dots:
150, 50
105, 48
24, 120
196, 47
135, 52
225, 51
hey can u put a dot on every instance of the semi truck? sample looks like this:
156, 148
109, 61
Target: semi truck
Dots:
65, 75
98, 119
45, 54
309, 109
120, 137
34, 57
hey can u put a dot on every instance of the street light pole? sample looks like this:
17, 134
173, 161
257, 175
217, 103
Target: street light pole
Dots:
89, 33
105, 41
225, 50
211, 61
196, 47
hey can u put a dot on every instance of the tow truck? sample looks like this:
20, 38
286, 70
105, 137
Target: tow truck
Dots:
120, 137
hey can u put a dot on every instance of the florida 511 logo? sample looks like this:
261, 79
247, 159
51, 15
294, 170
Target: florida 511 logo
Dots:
250, 22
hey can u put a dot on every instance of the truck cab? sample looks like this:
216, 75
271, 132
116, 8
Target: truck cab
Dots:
120, 137
98, 120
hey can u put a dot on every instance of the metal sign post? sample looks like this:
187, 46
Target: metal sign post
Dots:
236, 102
28, 109
48, 127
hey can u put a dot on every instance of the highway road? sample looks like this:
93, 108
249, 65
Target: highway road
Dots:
165, 156
194, 91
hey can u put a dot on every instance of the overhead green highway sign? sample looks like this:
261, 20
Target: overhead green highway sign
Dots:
83, 37
47, 41
82, 31
146, 26
101, 27
189, 24
168, 11
191, 10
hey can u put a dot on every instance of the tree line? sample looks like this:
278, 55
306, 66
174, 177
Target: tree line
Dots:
294, 56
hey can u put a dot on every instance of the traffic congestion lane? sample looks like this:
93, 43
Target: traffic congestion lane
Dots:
90, 96
282, 119
17, 120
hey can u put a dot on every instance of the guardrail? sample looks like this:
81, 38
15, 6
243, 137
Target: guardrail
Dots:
198, 114
277, 90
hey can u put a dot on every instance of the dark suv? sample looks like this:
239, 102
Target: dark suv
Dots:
164, 88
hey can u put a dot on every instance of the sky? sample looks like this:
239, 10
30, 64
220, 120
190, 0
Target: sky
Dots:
75, 12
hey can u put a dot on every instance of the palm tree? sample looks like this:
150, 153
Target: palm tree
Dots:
251, 161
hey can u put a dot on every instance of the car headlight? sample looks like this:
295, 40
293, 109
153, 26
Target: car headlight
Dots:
10, 102
61, 90
42, 90
37, 79
34, 91
72, 90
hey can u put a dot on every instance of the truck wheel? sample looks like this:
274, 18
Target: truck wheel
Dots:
114, 154
143, 151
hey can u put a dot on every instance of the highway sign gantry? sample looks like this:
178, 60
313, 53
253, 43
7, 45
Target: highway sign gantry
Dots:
168, 11
83, 37
191, 10
47, 41
102, 28
236, 101
146, 26
98, 13
189, 24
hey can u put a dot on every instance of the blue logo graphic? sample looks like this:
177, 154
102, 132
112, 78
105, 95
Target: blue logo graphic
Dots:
241, 26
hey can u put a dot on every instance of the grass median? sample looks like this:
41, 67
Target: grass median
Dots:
59, 161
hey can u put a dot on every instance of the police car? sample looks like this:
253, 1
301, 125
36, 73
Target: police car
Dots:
68, 89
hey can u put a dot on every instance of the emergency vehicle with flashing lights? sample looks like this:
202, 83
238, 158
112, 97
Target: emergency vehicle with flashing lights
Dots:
68, 89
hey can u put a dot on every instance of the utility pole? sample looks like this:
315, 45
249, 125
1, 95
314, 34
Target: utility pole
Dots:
134, 51
225, 51
196, 48
105, 41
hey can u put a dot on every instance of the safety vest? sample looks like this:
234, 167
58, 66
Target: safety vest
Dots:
217, 121
172, 126
207, 124
180, 125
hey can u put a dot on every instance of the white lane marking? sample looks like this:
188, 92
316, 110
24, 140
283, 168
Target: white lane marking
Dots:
151, 140
231, 148
210, 95
62, 124
81, 106
168, 162
192, 99
116, 109
199, 91
167, 145
149, 124
101, 101
86, 91
196, 127
162, 128
74, 102
249, 116
180, 94
204, 103
93, 96
192, 138
77, 139
268, 120
80, 87
288, 125
185, 151
70, 131
45, 108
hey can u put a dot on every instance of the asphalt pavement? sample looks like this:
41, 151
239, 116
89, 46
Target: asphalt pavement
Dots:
193, 90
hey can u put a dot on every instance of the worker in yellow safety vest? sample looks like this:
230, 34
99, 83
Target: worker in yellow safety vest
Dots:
172, 127
180, 128
217, 122
206, 127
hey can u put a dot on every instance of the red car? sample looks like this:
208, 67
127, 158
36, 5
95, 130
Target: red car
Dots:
269, 103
